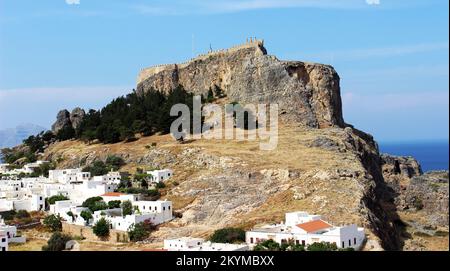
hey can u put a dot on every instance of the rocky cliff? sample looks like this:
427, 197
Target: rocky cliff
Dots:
64, 118
306, 93
336, 171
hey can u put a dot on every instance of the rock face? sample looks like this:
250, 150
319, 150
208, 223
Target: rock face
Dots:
306, 93
429, 193
62, 120
403, 165
76, 117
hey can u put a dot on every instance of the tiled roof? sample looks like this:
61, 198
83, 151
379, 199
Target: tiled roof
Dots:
315, 225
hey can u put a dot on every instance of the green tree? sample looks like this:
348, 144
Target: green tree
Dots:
114, 204
268, 245
57, 242
53, 223
114, 162
97, 168
51, 200
95, 204
140, 231
228, 235
86, 215
66, 133
127, 208
101, 228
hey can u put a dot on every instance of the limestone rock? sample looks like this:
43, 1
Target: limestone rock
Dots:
306, 93
403, 165
76, 117
62, 120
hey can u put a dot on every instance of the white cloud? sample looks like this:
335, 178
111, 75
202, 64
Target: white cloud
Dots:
231, 6
73, 2
373, 2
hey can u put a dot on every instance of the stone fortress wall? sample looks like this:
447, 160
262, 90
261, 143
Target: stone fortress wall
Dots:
147, 72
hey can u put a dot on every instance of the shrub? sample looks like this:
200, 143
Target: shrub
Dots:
268, 245
8, 215
57, 242
53, 223
101, 228
140, 231
228, 235
127, 208
160, 185
322, 246
21, 214
114, 162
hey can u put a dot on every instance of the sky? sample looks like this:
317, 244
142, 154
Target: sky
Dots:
392, 55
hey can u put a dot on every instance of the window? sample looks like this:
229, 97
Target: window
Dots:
343, 244
354, 241
3, 248
164, 208
303, 242
297, 242
251, 240
3, 240
349, 242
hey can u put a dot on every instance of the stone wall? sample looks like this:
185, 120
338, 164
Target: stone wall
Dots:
115, 236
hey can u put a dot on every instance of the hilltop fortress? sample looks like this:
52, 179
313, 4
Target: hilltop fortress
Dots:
306, 93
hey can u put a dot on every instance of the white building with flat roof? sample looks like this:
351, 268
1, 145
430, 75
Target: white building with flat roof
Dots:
199, 244
304, 229
112, 196
3, 241
11, 233
72, 175
155, 212
160, 175
111, 177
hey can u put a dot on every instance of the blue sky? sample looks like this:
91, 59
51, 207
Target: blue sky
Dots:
391, 55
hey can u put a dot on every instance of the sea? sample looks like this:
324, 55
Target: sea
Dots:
432, 155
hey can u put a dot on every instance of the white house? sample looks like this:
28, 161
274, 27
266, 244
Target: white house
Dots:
199, 244
3, 241
79, 192
305, 229
156, 212
33, 202
112, 177
11, 233
157, 176
111, 196
68, 211
31, 167
64, 176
